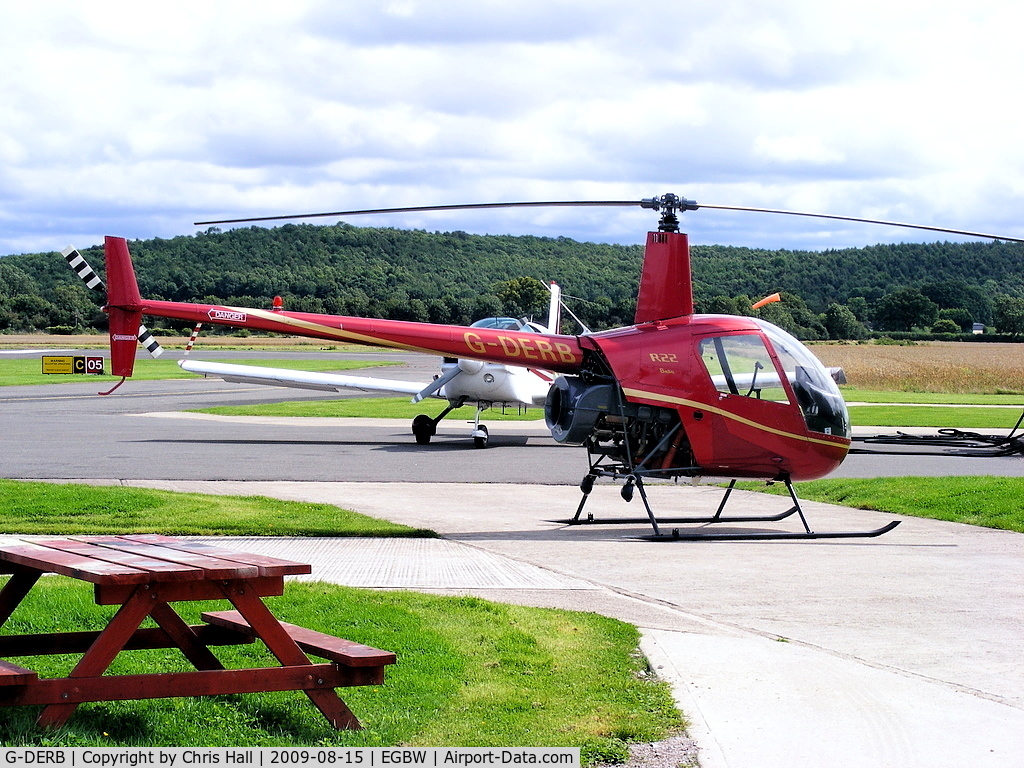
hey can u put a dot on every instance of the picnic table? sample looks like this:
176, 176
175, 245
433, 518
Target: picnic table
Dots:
144, 575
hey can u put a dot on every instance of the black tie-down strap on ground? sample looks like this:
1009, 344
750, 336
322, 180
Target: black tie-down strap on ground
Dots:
950, 442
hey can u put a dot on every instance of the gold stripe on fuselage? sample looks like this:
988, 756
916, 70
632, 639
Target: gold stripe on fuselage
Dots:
339, 333
835, 442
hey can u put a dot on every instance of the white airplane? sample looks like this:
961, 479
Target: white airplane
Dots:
460, 381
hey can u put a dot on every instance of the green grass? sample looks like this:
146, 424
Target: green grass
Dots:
27, 371
469, 673
990, 502
968, 417
50, 508
369, 407
854, 395
885, 414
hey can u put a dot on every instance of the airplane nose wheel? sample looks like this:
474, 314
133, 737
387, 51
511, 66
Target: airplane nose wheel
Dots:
480, 436
627, 490
423, 428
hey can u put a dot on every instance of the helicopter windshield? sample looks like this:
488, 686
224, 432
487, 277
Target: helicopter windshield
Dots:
816, 392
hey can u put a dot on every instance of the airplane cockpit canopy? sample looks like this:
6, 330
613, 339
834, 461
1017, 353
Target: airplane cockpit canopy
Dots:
508, 324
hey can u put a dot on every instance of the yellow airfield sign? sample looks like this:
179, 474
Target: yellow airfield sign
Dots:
68, 364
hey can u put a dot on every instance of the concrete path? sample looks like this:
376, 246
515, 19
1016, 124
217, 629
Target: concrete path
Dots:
901, 651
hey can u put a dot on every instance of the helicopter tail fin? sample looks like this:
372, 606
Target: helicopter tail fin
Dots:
124, 306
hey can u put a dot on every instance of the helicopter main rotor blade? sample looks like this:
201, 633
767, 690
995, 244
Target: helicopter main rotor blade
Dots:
419, 208
669, 202
882, 222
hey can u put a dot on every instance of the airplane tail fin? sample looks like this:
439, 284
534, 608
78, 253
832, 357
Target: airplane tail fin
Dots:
555, 308
124, 306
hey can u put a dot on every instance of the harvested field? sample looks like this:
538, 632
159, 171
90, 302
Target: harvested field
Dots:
935, 366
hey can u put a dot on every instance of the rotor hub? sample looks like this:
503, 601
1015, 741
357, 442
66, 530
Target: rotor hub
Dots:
669, 204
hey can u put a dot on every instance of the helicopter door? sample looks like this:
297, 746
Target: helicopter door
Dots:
739, 365
753, 409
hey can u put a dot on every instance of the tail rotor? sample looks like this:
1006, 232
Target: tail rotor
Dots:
126, 327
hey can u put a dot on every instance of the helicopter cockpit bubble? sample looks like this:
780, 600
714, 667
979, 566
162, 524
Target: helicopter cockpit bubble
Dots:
816, 391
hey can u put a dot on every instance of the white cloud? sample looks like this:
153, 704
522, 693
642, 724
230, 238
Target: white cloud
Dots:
133, 120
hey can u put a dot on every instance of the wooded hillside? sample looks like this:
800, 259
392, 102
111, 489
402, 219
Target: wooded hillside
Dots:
454, 277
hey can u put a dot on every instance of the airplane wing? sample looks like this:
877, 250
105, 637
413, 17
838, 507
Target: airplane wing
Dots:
284, 377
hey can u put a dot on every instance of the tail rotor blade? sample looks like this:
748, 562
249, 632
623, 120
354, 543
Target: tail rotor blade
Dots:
78, 263
146, 339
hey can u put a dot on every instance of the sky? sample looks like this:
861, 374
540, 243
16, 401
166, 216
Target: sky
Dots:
139, 119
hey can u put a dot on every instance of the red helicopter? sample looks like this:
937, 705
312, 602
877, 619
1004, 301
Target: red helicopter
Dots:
675, 395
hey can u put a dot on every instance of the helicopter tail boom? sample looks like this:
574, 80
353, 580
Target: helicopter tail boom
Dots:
125, 306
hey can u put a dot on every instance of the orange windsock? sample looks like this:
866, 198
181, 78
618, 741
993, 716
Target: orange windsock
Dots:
767, 300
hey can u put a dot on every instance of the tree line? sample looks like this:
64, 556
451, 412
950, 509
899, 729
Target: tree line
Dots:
455, 277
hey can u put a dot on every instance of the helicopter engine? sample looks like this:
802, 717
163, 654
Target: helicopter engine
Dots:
598, 416
573, 408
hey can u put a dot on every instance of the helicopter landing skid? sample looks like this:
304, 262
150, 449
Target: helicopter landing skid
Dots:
627, 494
678, 535
708, 535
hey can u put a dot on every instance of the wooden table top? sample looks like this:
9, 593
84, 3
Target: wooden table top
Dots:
139, 559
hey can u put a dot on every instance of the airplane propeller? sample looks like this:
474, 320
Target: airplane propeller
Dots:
668, 204
437, 383
93, 281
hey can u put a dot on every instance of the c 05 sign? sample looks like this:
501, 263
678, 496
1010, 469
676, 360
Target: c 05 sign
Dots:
68, 364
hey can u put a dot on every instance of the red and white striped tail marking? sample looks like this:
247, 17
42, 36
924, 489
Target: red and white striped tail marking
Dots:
192, 339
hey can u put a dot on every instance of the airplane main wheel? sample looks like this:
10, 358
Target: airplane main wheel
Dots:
423, 429
480, 441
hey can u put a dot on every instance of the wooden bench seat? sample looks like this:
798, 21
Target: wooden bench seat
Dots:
336, 649
12, 674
